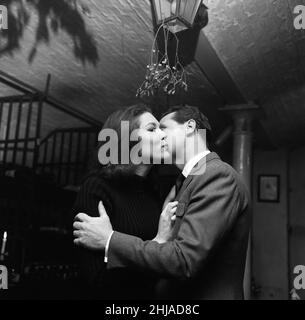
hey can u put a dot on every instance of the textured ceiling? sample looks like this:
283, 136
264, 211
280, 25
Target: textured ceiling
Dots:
265, 55
97, 54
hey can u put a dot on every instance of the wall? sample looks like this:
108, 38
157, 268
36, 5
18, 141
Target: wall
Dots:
270, 237
297, 211
279, 228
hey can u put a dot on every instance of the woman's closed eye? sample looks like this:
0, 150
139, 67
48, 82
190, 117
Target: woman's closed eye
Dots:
151, 128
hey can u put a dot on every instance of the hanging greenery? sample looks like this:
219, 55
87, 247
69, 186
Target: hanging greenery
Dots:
160, 75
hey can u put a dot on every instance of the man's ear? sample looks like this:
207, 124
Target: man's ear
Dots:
190, 127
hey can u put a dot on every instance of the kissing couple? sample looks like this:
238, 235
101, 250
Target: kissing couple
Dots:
191, 246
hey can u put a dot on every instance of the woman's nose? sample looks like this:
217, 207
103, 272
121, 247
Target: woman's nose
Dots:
162, 134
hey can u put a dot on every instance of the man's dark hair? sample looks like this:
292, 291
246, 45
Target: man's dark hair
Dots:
183, 114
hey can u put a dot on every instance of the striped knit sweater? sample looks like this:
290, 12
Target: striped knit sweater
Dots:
133, 208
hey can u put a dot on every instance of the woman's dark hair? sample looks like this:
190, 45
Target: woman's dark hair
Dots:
185, 113
131, 115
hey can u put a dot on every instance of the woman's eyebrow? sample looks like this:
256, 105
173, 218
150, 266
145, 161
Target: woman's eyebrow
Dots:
151, 123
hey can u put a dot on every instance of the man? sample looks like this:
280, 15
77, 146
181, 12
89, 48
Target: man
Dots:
203, 255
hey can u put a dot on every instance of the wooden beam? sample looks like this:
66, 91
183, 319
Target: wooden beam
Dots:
27, 89
216, 73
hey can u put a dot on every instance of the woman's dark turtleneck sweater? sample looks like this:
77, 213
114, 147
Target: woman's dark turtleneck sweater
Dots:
133, 208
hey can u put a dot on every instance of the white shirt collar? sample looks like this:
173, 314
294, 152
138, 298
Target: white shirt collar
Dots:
193, 161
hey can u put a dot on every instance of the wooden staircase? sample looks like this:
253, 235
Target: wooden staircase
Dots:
63, 153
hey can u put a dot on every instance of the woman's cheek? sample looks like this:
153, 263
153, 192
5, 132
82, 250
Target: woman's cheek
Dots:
147, 147
157, 144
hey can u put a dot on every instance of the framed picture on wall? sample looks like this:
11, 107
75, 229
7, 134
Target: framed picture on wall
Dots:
268, 188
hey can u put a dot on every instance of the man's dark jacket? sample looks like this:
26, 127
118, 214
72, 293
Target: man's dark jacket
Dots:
206, 258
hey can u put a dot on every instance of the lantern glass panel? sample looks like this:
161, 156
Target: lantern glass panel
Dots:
188, 10
165, 9
176, 26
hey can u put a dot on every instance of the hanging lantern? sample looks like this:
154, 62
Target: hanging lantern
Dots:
178, 15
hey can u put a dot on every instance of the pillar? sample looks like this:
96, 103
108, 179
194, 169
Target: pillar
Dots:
243, 116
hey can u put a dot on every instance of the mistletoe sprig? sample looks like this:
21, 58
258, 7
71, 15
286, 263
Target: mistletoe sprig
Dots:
159, 74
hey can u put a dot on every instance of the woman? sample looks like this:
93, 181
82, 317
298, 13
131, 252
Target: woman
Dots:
129, 197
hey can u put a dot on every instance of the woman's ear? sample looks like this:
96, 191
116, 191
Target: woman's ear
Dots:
190, 126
